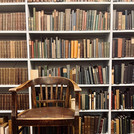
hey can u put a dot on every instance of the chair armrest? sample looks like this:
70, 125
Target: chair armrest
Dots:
21, 87
76, 87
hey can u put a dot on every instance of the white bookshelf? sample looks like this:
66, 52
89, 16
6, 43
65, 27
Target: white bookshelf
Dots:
9, 111
70, 59
25, 6
124, 110
98, 110
70, 32
69, 3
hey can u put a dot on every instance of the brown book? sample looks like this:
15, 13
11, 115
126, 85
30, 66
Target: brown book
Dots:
81, 50
67, 14
117, 126
75, 48
119, 47
100, 74
74, 74
117, 99
96, 48
96, 119
92, 101
71, 75
83, 128
92, 125
89, 124
86, 124
80, 125
1, 20
119, 20
3, 119
66, 48
88, 48
132, 47
72, 49
115, 102
77, 18
85, 48
127, 48
123, 22
33, 74
112, 76
112, 127
78, 50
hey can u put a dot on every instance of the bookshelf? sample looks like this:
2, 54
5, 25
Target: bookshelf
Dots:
107, 35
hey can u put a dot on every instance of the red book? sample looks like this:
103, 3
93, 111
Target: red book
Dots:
100, 74
32, 49
59, 71
111, 99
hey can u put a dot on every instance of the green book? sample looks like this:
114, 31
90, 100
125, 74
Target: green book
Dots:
44, 49
37, 98
83, 101
34, 18
45, 70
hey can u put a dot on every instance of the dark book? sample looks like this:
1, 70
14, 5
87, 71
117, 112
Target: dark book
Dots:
130, 72
117, 74
86, 101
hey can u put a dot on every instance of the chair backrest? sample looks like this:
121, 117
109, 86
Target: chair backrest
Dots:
51, 91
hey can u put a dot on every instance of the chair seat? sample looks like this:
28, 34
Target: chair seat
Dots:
47, 113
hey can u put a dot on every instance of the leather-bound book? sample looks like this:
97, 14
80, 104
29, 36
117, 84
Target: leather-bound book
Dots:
117, 74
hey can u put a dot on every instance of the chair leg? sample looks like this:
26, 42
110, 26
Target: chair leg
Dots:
14, 129
77, 125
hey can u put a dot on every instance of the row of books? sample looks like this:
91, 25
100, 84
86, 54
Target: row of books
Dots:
123, 47
95, 100
60, 48
6, 1
13, 75
123, 73
13, 49
69, 20
67, 0
13, 21
79, 74
123, 20
6, 101
122, 99
93, 124
123, 124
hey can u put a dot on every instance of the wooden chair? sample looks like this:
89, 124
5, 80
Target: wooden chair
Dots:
51, 95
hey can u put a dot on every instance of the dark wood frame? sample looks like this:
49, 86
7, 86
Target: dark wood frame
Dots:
43, 122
